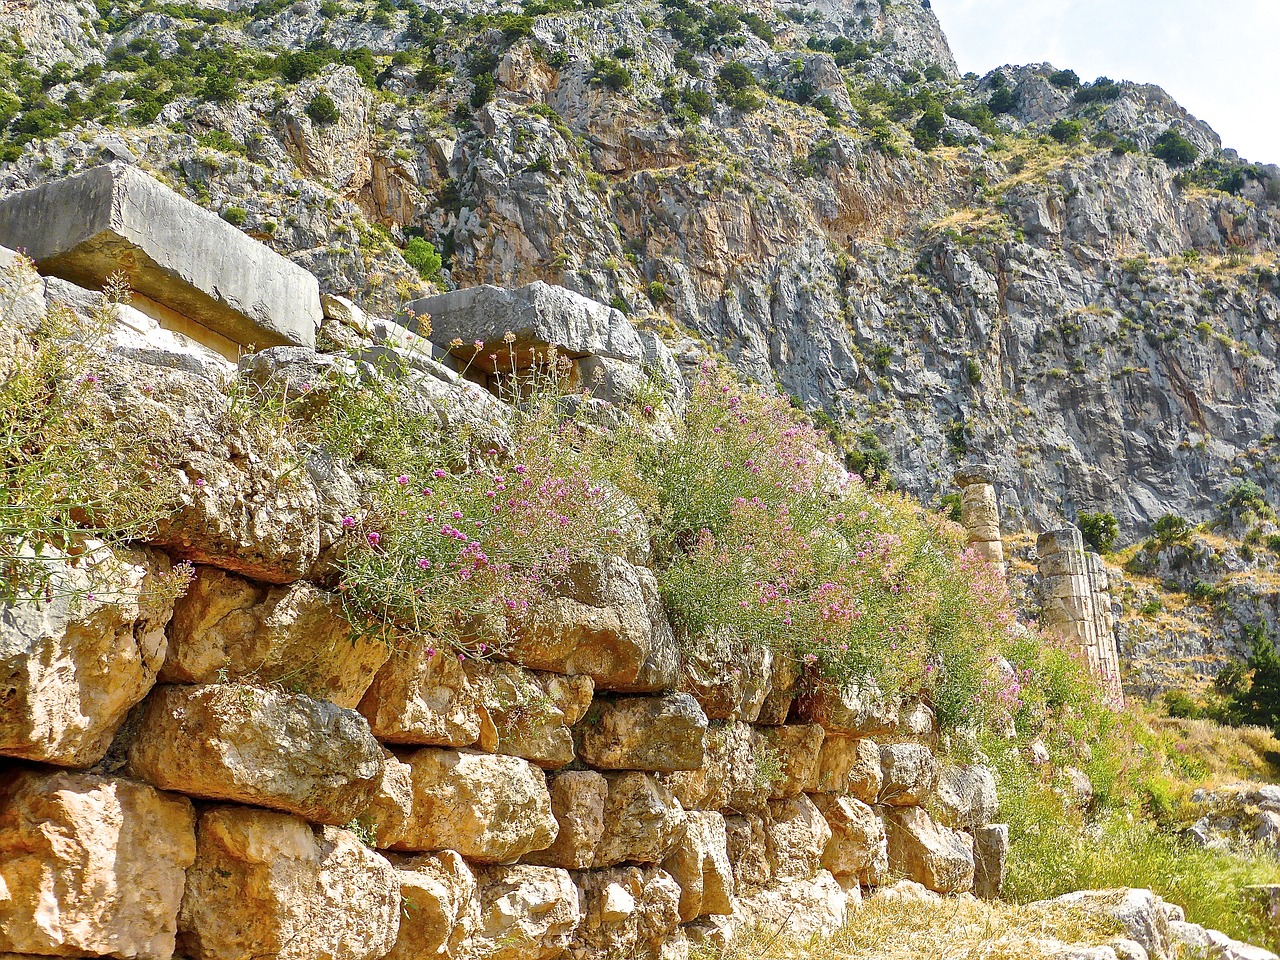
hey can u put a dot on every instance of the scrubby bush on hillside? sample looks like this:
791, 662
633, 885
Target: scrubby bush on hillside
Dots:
1099, 531
1174, 149
1101, 90
736, 86
422, 256
1066, 131
1065, 79
322, 110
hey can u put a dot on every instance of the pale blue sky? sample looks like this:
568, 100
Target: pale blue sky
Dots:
1219, 58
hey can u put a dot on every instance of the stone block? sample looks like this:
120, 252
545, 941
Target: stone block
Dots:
269, 884
857, 847
990, 856
796, 835
262, 747
795, 749
920, 850
528, 714
91, 865
748, 851
577, 803
700, 864
643, 821
115, 218
490, 809
909, 774
72, 667
731, 777
659, 734
526, 913
850, 767
425, 697
858, 709
966, 797
631, 912
728, 675
441, 906
295, 636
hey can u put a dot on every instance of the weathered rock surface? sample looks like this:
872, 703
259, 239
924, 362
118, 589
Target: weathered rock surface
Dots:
990, 857
115, 217
748, 851
578, 803
528, 714
796, 836
919, 849
795, 749
266, 882
226, 627
441, 906
490, 809
856, 710
423, 696
909, 774
526, 913
732, 777
659, 734
728, 675
858, 847
643, 821
72, 667
803, 907
700, 865
966, 797
91, 865
850, 767
631, 912
278, 750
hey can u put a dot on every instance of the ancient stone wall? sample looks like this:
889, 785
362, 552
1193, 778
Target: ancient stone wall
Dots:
980, 511
1075, 597
238, 774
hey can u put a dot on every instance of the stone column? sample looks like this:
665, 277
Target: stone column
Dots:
1075, 602
980, 511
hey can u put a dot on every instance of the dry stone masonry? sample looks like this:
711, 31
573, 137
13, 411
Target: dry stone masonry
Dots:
234, 776
980, 512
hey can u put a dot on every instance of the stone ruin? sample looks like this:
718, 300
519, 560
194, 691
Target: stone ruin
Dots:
980, 512
237, 774
1076, 603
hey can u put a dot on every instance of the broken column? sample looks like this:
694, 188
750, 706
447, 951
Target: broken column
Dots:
1075, 602
980, 511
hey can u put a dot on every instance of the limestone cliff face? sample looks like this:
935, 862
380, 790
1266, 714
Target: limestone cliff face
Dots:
1098, 324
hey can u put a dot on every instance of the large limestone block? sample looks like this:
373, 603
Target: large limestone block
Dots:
966, 797
528, 714
605, 621
278, 750
850, 767
920, 850
727, 674
539, 315
391, 808
441, 906
91, 865
631, 912
115, 218
748, 851
423, 696
817, 906
909, 774
794, 750
267, 884
1145, 917
858, 847
734, 775
490, 809
643, 821
784, 678
796, 834
226, 627
660, 734
990, 859
700, 864
73, 666
526, 913
855, 710
577, 803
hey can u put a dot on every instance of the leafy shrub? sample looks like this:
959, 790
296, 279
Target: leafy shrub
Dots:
736, 86
422, 256
1101, 90
1066, 131
1171, 528
928, 129
1174, 149
235, 216
482, 90
1099, 531
322, 110
610, 73
1065, 79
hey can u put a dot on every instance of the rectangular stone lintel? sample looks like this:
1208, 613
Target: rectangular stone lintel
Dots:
116, 218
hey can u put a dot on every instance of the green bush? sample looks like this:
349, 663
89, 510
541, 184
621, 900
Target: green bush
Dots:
482, 90
927, 132
736, 86
1099, 531
322, 110
1066, 131
422, 256
235, 216
1174, 149
1065, 79
1171, 528
610, 73
1101, 90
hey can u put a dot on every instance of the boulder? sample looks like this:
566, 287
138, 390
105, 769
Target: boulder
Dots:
792, 751
734, 776
577, 803
858, 847
909, 773
850, 767
990, 856
441, 906
817, 907
748, 851
796, 836
270, 884
295, 636
784, 678
526, 913
966, 797
116, 218
1143, 915
855, 710
423, 696
605, 621
528, 714
278, 750
700, 865
920, 850
72, 667
661, 734
91, 864
727, 674
631, 912
1197, 941
490, 809
391, 808
643, 821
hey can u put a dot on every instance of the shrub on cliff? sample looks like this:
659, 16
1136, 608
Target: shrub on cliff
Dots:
322, 110
1174, 149
1099, 531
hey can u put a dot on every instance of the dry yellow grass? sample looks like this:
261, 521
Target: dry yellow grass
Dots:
961, 928
1229, 754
